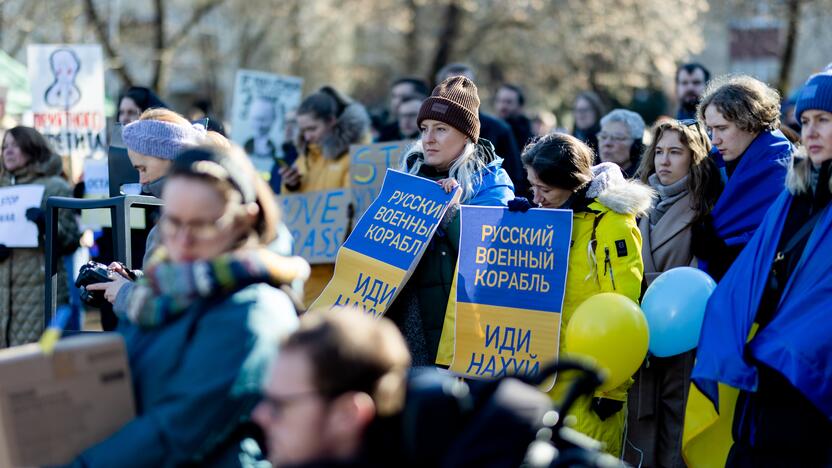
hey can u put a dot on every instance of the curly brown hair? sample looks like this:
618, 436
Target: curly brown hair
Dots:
748, 102
704, 182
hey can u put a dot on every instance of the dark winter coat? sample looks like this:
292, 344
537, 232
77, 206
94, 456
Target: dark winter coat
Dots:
22, 279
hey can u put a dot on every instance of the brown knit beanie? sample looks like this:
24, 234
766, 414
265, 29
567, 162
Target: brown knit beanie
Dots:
455, 102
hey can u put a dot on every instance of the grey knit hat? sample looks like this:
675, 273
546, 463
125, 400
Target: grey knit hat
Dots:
163, 140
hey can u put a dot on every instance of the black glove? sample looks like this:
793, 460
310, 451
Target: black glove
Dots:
605, 407
519, 204
5, 252
37, 216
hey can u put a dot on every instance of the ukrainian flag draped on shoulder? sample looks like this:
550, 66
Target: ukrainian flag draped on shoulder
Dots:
795, 343
748, 193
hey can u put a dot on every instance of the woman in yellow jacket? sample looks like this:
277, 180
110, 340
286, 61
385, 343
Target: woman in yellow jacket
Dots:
328, 123
605, 255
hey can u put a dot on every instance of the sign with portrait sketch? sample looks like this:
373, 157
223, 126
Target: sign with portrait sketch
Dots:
67, 84
264, 104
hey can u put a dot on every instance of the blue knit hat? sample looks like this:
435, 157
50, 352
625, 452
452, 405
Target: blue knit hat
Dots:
816, 94
163, 140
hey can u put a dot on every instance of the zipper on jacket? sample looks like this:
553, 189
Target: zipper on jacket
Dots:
608, 263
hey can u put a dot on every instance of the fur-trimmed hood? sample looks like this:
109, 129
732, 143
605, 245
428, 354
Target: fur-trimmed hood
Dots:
611, 189
350, 128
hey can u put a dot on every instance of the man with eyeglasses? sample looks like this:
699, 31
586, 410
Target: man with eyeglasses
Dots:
691, 79
332, 382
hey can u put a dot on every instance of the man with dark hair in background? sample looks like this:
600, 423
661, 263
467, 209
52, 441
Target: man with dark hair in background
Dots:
508, 103
407, 118
691, 79
494, 130
403, 89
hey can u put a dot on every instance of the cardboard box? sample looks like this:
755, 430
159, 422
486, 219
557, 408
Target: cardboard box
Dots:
53, 407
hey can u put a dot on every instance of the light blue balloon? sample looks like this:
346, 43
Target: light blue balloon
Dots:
674, 306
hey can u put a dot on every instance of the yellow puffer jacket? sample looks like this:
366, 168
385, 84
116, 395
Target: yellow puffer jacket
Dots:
327, 167
608, 222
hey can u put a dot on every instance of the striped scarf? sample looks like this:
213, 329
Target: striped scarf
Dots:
169, 288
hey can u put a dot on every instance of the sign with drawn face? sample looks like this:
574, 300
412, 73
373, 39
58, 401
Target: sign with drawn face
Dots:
263, 108
67, 84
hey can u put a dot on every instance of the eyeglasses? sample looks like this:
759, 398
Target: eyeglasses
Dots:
615, 138
277, 405
200, 230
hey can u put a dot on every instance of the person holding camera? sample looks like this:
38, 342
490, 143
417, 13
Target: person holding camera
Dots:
205, 318
153, 142
27, 159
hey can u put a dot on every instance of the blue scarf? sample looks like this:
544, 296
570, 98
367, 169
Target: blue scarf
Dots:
797, 342
752, 188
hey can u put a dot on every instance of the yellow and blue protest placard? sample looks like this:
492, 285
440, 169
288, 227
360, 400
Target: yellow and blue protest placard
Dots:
510, 286
318, 222
384, 248
368, 165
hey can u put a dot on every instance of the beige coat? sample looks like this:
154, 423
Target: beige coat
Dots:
657, 399
22, 274
667, 244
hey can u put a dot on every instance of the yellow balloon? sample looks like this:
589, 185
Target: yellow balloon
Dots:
609, 329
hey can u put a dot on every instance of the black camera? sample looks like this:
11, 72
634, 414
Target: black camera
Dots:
92, 273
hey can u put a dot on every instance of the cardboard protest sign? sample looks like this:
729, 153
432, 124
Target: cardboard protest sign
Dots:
368, 165
318, 222
386, 244
263, 103
54, 406
15, 229
67, 83
510, 285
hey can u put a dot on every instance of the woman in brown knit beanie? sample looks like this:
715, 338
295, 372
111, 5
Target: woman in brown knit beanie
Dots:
451, 153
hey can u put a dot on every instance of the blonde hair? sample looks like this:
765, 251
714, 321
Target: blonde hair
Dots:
466, 169
799, 175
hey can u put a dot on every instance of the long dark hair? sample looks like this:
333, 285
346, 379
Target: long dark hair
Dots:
560, 160
31, 143
704, 181
325, 104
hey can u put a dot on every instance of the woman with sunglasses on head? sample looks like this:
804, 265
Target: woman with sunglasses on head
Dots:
688, 183
781, 285
204, 319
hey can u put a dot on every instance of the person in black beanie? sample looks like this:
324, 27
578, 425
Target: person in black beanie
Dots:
450, 152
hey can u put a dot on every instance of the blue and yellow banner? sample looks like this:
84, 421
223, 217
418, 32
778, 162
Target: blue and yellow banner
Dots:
384, 248
510, 285
368, 166
318, 222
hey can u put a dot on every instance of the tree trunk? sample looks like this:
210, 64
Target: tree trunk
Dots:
413, 51
158, 46
295, 34
787, 59
100, 29
447, 37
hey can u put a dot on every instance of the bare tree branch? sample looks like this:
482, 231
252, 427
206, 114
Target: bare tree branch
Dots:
197, 15
100, 29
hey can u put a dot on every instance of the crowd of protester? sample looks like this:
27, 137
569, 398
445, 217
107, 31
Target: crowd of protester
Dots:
719, 187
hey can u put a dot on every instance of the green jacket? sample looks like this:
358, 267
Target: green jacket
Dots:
22, 274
